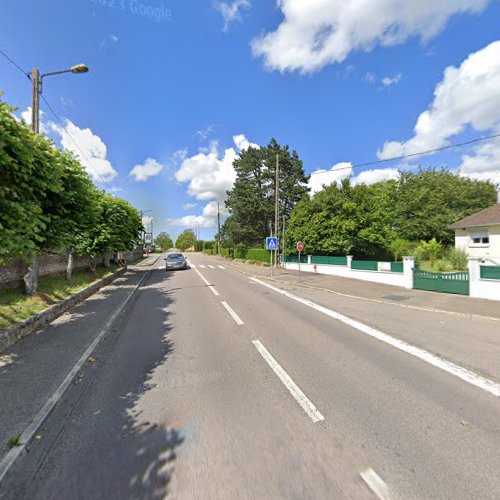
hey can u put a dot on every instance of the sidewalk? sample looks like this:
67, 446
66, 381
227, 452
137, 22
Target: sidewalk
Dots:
376, 292
33, 368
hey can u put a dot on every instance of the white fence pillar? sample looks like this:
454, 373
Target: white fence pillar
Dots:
408, 267
474, 266
309, 257
349, 261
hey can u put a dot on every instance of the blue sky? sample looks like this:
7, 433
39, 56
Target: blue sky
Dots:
178, 96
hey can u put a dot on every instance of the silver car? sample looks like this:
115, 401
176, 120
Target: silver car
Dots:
175, 261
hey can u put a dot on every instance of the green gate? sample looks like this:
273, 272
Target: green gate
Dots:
441, 282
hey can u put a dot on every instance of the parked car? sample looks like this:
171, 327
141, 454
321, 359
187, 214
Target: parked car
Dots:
175, 261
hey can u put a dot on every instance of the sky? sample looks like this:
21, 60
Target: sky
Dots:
177, 89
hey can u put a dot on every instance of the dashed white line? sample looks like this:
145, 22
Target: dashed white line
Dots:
192, 265
211, 267
375, 483
292, 387
202, 266
222, 267
447, 366
233, 314
214, 291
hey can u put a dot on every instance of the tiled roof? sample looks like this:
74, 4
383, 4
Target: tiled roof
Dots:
487, 217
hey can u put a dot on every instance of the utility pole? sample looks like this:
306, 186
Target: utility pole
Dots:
35, 105
284, 244
271, 252
218, 225
276, 207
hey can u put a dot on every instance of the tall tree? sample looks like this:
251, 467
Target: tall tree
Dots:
164, 241
251, 201
428, 201
185, 240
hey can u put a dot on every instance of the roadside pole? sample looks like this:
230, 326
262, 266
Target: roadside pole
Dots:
276, 208
300, 248
218, 225
271, 253
283, 255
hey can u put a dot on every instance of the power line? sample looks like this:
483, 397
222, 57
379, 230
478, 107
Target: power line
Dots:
412, 155
14, 63
74, 142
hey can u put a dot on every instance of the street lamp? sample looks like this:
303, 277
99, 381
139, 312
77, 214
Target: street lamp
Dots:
37, 80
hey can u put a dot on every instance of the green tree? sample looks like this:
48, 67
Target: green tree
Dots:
428, 201
185, 240
164, 241
251, 201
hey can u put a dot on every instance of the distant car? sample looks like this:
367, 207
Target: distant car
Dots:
175, 261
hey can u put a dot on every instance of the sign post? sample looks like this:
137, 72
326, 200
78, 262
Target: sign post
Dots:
300, 248
272, 246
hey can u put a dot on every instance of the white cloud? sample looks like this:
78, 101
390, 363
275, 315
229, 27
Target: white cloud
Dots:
204, 133
150, 168
387, 81
188, 206
26, 117
320, 178
208, 174
316, 33
242, 143
467, 96
93, 148
208, 218
231, 11
376, 175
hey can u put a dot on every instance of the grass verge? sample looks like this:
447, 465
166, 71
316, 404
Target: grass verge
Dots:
16, 307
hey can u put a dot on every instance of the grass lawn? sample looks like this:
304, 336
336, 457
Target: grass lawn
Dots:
16, 307
439, 266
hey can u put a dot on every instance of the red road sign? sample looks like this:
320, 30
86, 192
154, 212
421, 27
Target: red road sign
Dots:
300, 246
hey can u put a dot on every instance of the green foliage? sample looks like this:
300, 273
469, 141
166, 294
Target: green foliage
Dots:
226, 252
399, 248
458, 258
240, 251
428, 201
251, 201
198, 246
186, 240
164, 241
429, 250
258, 255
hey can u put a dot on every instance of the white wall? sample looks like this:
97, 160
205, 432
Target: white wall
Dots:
387, 278
482, 288
463, 241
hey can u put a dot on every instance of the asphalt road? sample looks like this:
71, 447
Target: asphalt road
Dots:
212, 385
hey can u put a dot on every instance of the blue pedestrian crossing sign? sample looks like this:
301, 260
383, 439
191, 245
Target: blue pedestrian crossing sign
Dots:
272, 244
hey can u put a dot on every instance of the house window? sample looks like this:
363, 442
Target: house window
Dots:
480, 239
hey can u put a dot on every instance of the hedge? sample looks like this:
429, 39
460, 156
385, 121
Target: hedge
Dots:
258, 254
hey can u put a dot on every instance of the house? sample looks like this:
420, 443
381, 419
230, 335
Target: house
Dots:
479, 234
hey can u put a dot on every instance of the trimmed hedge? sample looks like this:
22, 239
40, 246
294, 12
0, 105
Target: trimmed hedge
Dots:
258, 254
240, 252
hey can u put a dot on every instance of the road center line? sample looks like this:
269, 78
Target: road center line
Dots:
292, 387
447, 366
211, 267
222, 267
375, 483
214, 291
233, 314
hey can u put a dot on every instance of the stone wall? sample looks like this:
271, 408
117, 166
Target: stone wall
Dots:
11, 275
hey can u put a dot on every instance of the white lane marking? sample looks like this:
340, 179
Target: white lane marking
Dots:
161, 267
292, 387
447, 366
375, 483
202, 266
192, 265
222, 267
33, 427
214, 291
211, 267
233, 314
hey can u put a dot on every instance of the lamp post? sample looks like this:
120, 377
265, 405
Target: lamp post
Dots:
37, 81
31, 276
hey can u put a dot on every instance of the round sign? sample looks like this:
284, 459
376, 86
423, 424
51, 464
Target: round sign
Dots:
300, 246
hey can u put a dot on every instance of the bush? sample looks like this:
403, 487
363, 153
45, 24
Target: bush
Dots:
258, 254
429, 250
458, 258
226, 252
400, 248
240, 251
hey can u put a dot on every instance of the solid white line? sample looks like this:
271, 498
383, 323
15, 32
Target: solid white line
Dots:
202, 266
233, 314
30, 431
192, 265
292, 387
375, 483
222, 267
211, 267
214, 291
447, 366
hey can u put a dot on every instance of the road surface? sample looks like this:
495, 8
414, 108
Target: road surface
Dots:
214, 385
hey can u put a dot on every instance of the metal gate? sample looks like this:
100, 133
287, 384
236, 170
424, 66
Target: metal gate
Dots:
442, 282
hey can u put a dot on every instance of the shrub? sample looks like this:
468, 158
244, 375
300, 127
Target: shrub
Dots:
442, 265
226, 252
429, 250
458, 258
258, 254
400, 247
240, 251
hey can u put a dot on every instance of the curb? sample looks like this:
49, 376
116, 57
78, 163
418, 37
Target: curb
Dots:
378, 301
10, 336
